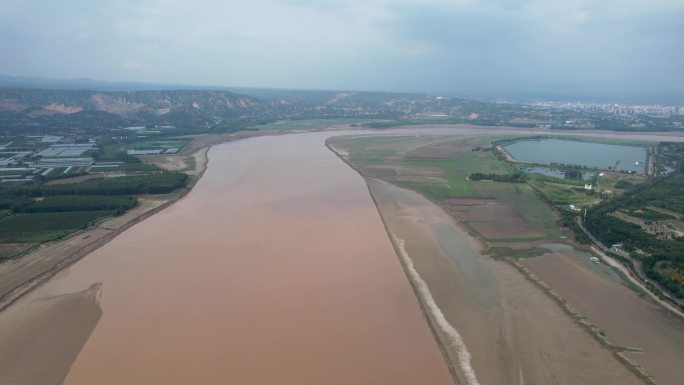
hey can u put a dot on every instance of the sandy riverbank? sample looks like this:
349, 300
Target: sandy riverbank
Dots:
512, 332
41, 339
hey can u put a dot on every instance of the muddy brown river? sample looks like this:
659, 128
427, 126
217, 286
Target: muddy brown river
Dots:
275, 269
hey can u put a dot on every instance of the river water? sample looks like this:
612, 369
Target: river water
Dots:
275, 269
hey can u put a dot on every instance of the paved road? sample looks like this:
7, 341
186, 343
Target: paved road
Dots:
637, 264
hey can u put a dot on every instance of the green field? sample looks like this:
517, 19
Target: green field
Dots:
564, 194
406, 162
456, 172
161, 144
7, 202
32, 213
41, 227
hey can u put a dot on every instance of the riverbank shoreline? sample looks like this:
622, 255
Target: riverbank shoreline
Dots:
429, 316
60, 254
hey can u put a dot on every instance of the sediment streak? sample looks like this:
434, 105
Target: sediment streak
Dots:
454, 337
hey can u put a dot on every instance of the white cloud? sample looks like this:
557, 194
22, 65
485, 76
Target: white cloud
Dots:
131, 64
372, 44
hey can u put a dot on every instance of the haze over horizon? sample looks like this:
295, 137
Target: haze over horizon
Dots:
475, 47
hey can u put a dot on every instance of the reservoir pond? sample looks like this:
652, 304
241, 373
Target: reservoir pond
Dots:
570, 152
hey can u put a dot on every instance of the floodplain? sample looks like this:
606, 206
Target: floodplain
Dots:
650, 335
513, 224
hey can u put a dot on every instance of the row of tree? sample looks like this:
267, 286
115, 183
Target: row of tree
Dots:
62, 203
158, 183
517, 177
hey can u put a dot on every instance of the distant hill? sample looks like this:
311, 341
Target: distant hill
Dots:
127, 103
197, 108
60, 108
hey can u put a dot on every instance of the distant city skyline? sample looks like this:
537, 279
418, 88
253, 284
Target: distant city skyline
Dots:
625, 50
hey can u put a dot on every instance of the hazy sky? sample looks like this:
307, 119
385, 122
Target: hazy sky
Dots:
409, 45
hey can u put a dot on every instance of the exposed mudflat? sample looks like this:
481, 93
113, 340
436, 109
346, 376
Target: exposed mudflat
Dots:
275, 269
492, 219
42, 338
511, 332
628, 319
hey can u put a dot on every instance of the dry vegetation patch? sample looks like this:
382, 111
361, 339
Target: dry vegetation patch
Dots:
629, 320
442, 150
75, 179
9, 250
169, 162
491, 218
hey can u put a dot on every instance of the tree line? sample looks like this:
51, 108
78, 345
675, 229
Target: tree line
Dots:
517, 177
159, 183
62, 203
665, 192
